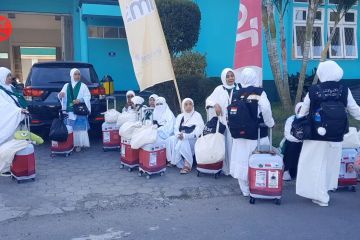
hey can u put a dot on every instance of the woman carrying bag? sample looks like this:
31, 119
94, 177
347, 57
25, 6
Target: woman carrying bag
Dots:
75, 100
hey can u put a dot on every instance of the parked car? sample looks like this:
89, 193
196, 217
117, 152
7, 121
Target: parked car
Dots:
46, 80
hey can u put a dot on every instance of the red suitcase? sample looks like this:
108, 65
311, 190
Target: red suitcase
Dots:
152, 160
214, 168
348, 175
265, 173
23, 165
63, 148
111, 137
110, 131
129, 157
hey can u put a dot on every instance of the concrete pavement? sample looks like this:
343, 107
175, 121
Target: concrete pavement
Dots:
87, 196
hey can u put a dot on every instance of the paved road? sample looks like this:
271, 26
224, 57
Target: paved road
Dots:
87, 196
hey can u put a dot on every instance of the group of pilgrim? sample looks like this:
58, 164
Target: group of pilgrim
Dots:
315, 163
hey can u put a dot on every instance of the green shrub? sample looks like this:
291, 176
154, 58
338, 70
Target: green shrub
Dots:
190, 64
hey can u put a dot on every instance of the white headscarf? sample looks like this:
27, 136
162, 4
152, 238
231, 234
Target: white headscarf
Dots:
329, 71
154, 96
130, 92
159, 109
72, 72
248, 77
137, 100
223, 78
187, 115
4, 72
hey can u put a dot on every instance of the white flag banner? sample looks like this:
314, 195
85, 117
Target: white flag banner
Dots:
148, 49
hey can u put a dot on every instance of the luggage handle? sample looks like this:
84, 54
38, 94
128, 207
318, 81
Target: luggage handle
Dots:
143, 111
270, 147
107, 102
27, 126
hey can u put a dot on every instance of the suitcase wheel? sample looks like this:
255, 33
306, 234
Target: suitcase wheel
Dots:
217, 175
352, 189
121, 166
140, 174
148, 176
252, 200
162, 173
278, 201
198, 173
129, 169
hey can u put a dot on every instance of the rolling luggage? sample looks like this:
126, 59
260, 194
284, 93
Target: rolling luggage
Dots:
63, 148
129, 157
265, 173
214, 168
348, 175
23, 166
152, 160
110, 131
210, 149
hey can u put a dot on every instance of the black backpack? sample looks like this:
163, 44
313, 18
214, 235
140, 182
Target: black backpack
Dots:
332, 116
242, 121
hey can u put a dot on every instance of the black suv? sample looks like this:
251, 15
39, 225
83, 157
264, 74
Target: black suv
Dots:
46, 80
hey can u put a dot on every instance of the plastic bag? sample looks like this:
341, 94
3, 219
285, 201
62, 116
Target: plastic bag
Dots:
125, 117
351, 139
58, 131
111, 116
147, 134
127, 129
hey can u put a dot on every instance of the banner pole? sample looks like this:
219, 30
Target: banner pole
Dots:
177, 93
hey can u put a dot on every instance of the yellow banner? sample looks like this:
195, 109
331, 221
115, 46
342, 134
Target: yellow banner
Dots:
148, 49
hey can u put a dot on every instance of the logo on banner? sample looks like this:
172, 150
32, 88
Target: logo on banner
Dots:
253, 32
137, 9
5, 28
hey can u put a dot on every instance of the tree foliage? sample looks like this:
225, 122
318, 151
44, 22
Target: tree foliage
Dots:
180, 20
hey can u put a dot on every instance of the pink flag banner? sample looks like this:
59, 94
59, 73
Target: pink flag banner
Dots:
248, 51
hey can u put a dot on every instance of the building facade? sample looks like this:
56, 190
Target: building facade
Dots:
93, 31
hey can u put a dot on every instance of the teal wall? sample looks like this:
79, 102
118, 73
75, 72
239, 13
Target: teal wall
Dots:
218, 33
118, 66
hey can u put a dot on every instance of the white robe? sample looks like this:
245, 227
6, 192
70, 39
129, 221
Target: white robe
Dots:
177, 151
319, 162
167, 122
243, 148
8, 151
221, 96
81, 138
11, 117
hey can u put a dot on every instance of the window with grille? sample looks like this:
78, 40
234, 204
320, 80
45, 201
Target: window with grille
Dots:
344, 42
317, 44
106, 32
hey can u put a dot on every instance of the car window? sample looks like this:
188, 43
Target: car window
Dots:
58, 75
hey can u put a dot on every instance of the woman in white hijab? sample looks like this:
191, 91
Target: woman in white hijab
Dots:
319, 163
129, 104
80, 124
222, 97
188, 127
242, 148
12, 106
12, 110
152, 100
164, 119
